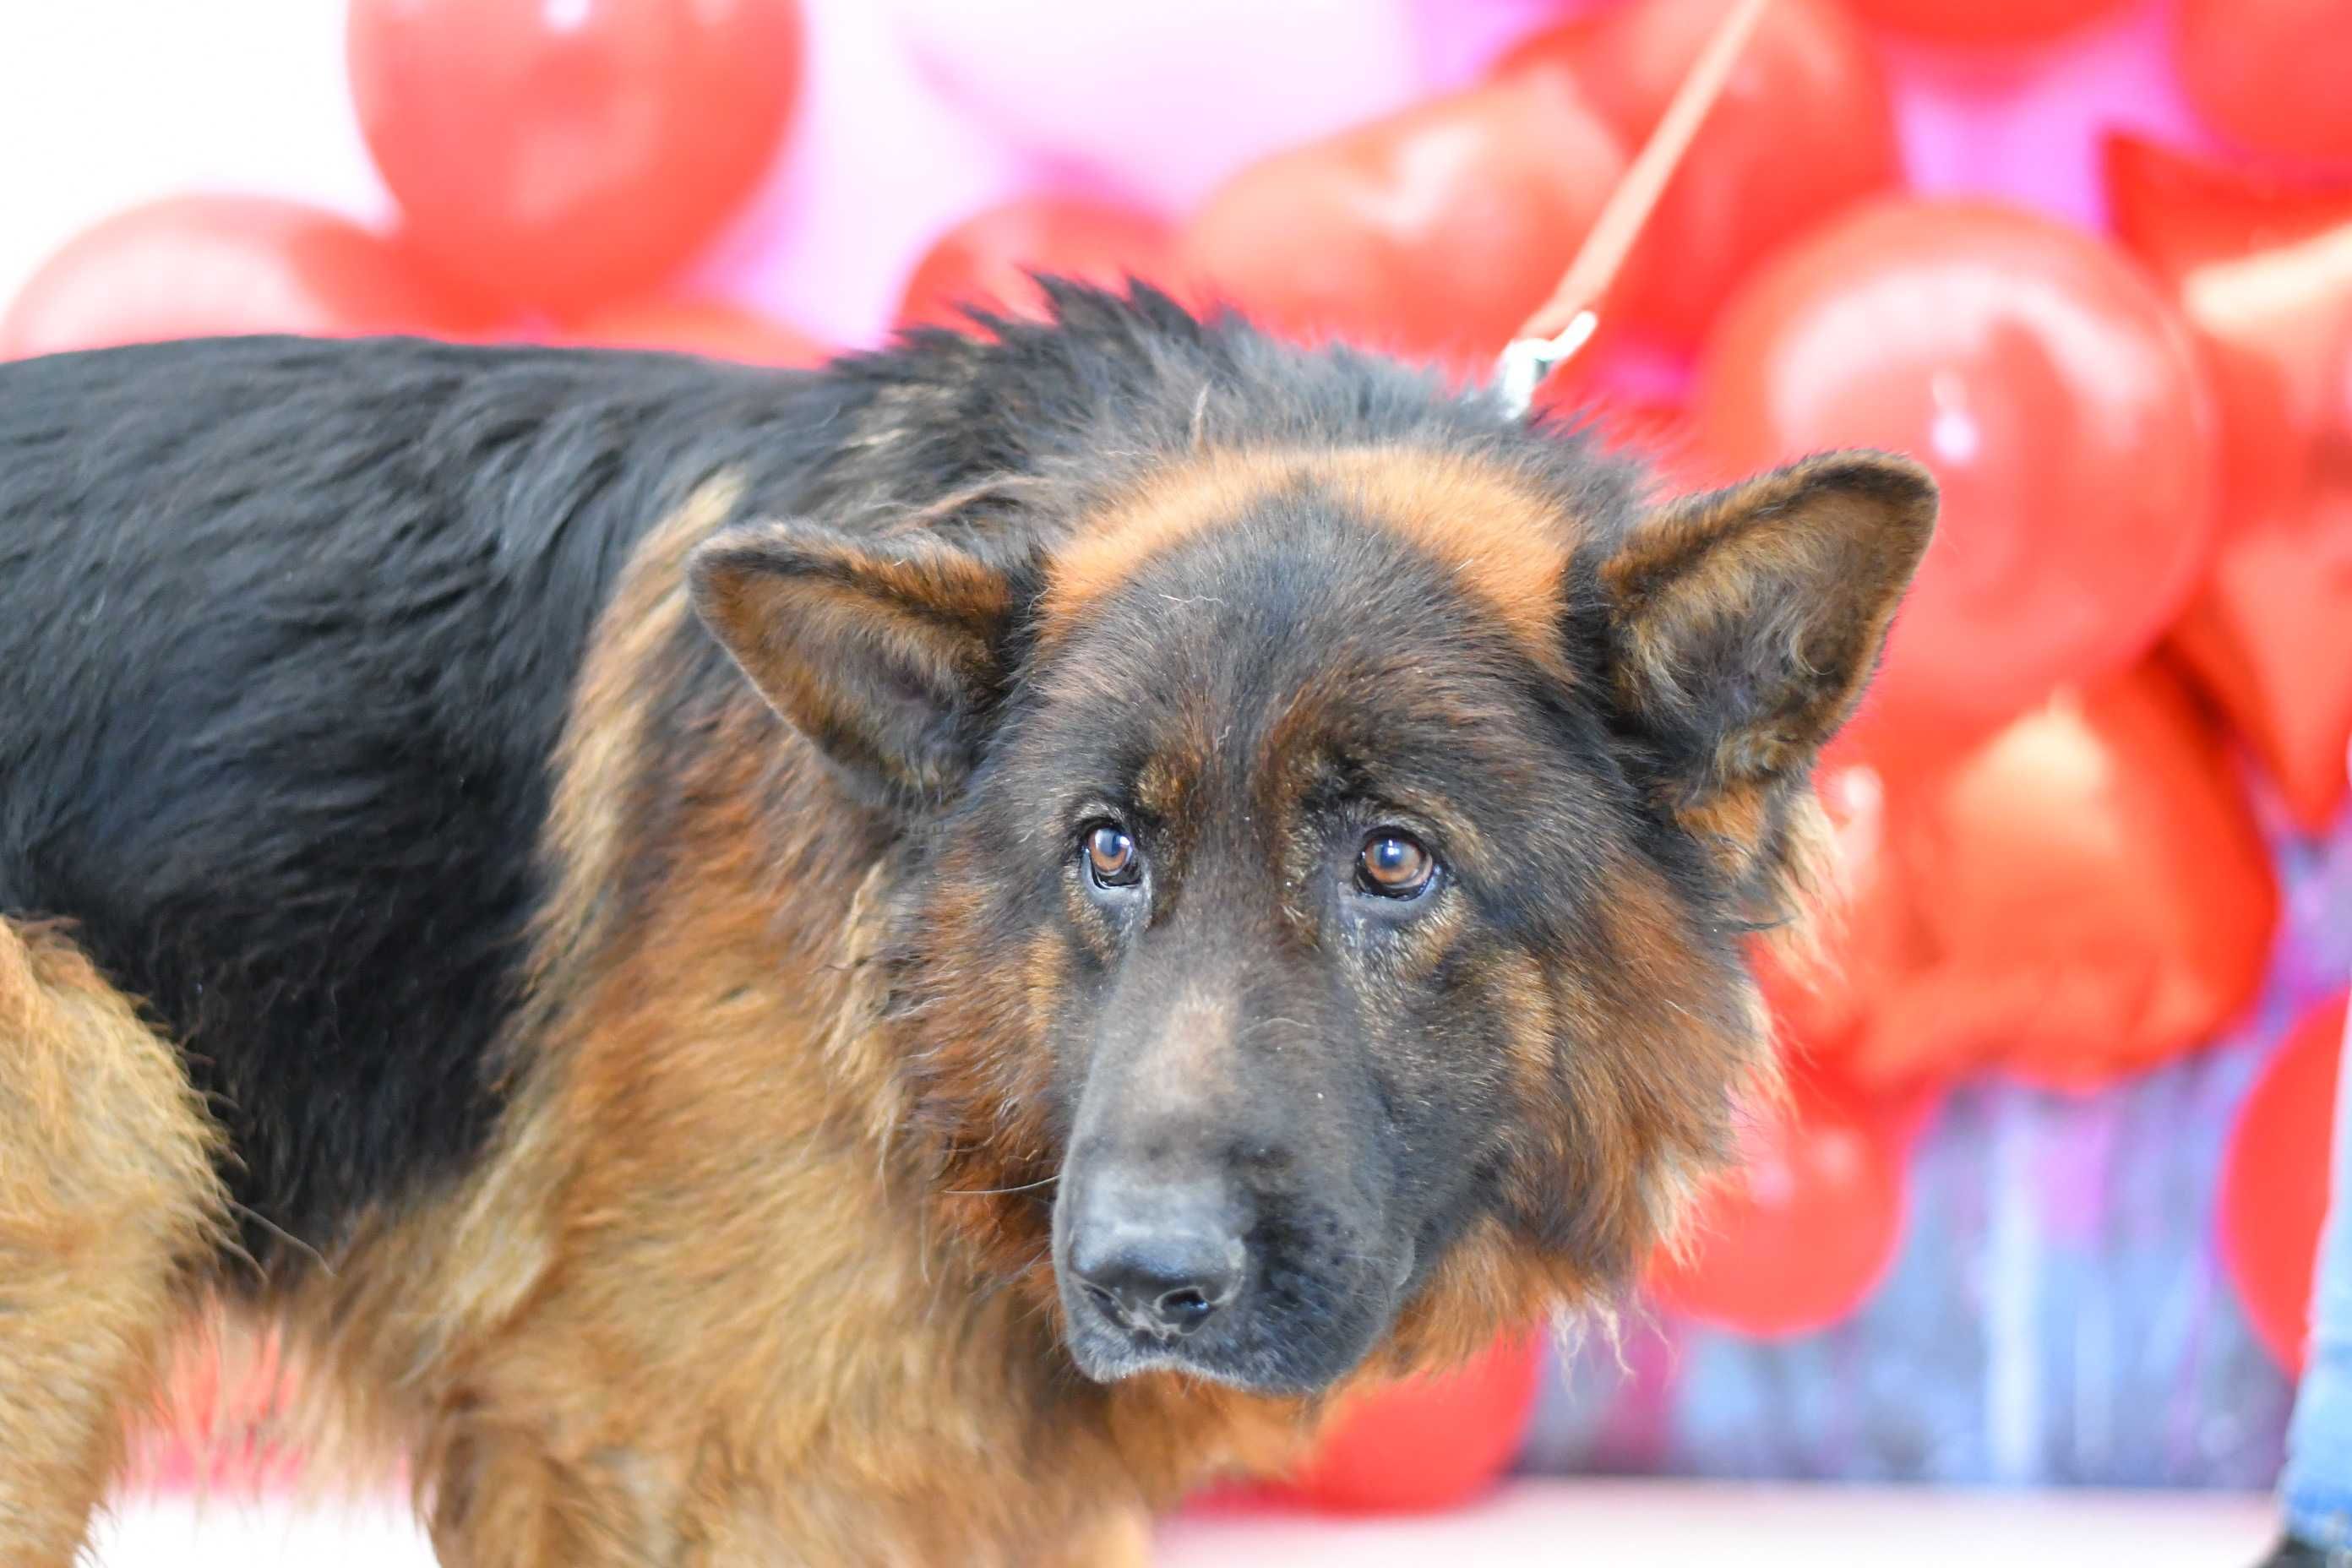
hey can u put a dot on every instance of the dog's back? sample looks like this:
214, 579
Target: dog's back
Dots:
287, 634
289, 630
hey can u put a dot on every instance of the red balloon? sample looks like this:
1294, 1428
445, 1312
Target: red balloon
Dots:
1802, 130
1983, 21
1797, 1238
2181, 213
2058, 401
203, 266
2269, 638
986, 260
2274, 1182
2093, 894
1425, 1443
2260, 268
1435, 232
564, 152
703, 327
2273, 73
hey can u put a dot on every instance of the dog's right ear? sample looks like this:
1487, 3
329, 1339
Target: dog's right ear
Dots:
886, 653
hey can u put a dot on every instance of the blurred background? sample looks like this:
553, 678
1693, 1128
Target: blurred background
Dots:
2042, 1212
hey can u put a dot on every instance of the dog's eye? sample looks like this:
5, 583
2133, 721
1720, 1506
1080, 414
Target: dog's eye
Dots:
1111, 857
1395, 865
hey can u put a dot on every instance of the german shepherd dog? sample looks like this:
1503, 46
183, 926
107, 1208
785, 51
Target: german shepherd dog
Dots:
889, 964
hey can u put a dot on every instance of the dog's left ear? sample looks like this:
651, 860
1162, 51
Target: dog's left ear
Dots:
1741, 626
886, 652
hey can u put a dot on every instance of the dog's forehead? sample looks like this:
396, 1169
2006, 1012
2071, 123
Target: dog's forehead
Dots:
1245, 634
1490, 533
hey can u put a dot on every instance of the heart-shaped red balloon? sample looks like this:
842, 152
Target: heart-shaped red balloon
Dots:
2274, 1186
566, 155
2093, 895
988, 258
2269, 637
207, 265
1435, 232
2263, 269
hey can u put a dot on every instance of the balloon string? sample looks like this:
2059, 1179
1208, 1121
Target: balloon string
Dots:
1562, 324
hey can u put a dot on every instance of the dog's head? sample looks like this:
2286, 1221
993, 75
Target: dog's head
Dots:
1324, 872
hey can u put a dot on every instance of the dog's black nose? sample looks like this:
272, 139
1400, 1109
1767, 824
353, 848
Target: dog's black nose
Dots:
1163, 1285
1163, 1267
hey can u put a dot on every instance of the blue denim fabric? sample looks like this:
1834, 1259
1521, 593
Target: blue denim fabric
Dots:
2318, 1486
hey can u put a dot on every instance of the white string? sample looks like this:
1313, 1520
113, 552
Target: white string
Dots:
1525, 361
1528, 359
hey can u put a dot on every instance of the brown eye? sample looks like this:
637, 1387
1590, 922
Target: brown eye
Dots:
1394, 865
1111, 858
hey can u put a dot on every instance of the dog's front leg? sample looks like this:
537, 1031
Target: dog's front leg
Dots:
1120, 1538
503, 1497
546, 1472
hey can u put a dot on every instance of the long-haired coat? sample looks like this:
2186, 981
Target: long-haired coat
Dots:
889, 964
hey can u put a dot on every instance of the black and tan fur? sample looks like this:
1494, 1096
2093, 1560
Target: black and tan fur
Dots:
558, 881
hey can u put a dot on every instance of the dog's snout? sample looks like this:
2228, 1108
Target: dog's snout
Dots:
1159, 1262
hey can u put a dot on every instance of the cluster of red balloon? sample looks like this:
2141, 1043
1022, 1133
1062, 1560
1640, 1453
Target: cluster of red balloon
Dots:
553, 166
2147, 523
2145, 443
2056, 863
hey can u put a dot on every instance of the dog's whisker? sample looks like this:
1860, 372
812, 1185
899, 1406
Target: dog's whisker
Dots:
996, 1192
